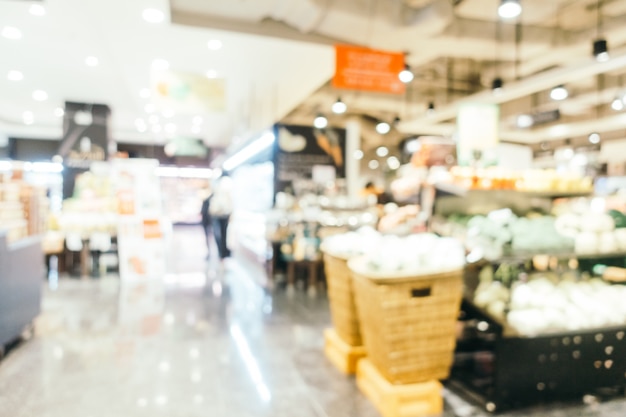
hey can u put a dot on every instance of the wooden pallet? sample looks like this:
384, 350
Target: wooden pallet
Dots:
341, 354
410, 400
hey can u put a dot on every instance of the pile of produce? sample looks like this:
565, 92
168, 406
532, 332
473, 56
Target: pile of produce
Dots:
350, 244
416, 254
594, 233
501, 232
542, 306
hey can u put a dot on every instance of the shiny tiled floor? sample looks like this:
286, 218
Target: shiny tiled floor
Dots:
208, 342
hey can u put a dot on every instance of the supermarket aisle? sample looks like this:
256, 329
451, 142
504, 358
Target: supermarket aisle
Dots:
203, 344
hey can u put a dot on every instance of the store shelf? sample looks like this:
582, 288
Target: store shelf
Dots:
459, 191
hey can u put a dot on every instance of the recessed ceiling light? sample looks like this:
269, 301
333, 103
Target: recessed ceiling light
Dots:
141, 126
383, 128
156, 129
594, 138
28, 117
559, 93
153, 119
382, 151
40, 95
149, 108
358, 154
373, 164
37, 10
196, 129
12, 33
145, 93
393, 163
168, 113
617, 104
601, 50
59, 112
15, 75
197, 120
160, 65
153, 15
91, 61
509, 9
211, 74
214, 44
524, 121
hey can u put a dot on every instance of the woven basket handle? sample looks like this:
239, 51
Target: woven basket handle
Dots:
421, 292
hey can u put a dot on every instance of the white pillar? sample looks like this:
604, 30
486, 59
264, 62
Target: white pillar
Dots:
353, 143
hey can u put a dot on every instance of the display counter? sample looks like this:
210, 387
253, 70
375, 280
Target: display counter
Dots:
21, 277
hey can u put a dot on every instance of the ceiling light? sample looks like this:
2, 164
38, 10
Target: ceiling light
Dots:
214, 44
358, 154
320, 121
14, 75
431, 109
12, 33
559, 93
373, 164
339, 107
59, 112
145, 93
496, 84
617, 104
149, 108
594, 138
153, 119
37, 10
40, 95
382, 151
28, 117
383, 128
91, 61
393, 163
509, 9
160, 65
545, 146
153, 15
156, 129
601, 50
168, 113
196, 129
524, 121
412, 146
406, 75
211, 74
197, 120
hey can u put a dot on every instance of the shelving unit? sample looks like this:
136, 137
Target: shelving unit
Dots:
501, 369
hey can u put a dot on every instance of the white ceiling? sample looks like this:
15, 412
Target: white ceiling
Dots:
265, 77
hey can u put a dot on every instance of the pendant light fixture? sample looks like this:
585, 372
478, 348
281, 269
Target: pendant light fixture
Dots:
339, 107
497, 83
600, 47
509, 9
383, 128
559, 93
406, 75
431, 109
594, 138
617, 104
320, 121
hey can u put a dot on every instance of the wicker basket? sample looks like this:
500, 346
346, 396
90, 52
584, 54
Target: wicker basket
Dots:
341, 295
408, 322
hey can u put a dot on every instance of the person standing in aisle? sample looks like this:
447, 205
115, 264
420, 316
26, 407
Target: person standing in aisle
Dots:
206, 219
220, 210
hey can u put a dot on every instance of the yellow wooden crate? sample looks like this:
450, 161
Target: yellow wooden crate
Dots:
344, 356
410, 400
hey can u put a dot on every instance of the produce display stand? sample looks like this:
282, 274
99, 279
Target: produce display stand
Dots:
408, 324
343, 344
503, 372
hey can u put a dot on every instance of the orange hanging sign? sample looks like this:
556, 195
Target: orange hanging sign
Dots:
366, 69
